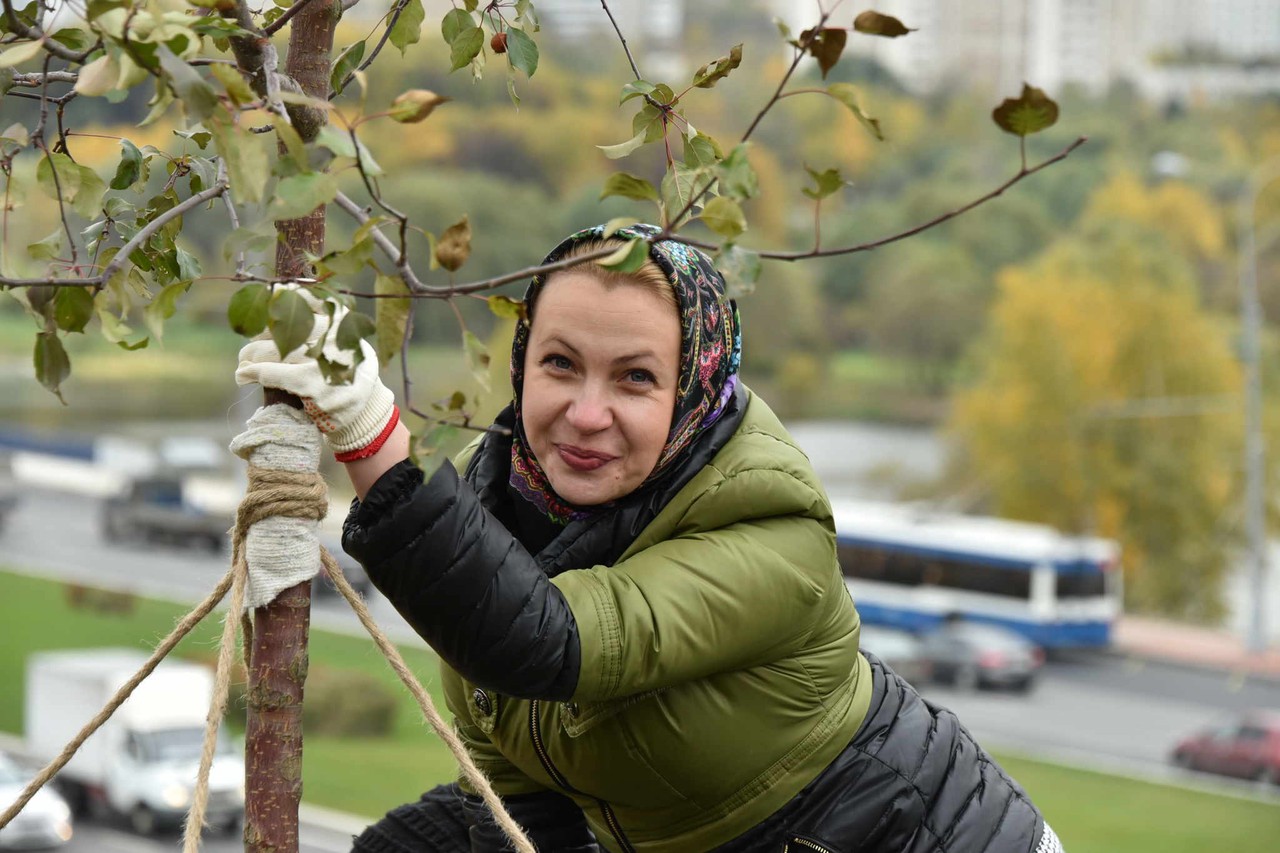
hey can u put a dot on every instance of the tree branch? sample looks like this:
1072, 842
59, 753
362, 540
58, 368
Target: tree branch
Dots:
117, 263
621, 38
901, 235
278, 24
257, 57
386, 34
383, 242
53, 47
38, 79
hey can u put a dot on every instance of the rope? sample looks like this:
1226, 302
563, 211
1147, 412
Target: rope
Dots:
443, 730
183, 628
272, 494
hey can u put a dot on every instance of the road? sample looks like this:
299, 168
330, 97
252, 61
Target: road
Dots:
95, 837
1093, 710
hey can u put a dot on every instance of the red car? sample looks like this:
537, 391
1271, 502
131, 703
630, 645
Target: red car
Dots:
1248, 748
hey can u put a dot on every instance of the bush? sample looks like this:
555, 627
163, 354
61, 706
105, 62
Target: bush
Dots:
347, 702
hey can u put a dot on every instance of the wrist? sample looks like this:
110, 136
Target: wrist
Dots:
373, 424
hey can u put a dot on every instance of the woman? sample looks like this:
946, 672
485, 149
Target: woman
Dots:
645, 638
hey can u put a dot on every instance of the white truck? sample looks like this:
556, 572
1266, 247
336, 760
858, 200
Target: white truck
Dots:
143, 762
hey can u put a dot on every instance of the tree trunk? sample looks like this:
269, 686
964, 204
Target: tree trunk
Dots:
278, 657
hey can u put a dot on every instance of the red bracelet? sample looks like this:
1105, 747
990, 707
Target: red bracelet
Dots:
375, 445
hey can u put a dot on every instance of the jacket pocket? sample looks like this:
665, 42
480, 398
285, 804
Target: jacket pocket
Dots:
578, 718
799, 844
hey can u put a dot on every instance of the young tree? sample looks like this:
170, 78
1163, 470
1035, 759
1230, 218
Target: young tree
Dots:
262, 129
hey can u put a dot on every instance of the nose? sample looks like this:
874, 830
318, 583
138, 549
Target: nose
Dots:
590, 411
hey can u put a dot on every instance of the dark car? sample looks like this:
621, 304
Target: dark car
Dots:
1247, 748
902, 651
970, 655
351, 570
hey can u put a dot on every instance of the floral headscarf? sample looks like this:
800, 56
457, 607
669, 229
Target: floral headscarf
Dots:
710, 353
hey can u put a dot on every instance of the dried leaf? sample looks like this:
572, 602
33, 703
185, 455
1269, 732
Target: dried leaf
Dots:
1030, 113
877, 24
454, 246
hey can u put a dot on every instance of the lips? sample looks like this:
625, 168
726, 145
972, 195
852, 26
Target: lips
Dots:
580, 459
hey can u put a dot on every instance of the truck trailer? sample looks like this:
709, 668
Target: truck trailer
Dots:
142, 763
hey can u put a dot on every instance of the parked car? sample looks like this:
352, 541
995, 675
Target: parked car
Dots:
1247, 747
901, 650
971, 655
43, 823
155, 509
351, 570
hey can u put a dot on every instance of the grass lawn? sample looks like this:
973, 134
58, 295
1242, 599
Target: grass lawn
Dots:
1092, 812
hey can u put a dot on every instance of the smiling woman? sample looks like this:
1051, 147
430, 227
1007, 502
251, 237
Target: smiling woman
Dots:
646, 641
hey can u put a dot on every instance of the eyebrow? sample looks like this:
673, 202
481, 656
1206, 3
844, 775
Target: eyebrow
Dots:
556, 340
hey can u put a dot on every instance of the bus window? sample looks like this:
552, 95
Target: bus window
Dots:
1080, 584
908, 569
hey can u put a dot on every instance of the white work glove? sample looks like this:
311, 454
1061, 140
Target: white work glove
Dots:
355, 419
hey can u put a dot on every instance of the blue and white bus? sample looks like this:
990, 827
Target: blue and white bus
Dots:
913, 568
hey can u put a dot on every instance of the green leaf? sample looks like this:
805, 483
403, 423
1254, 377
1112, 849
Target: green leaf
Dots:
51, 362
248, 163
717, 69
295, 150
48, 248
233, 81
74, 38
390, 316
477, 358
635, 89
99, 77
298, 195
76, 185
290, 320
1030, 113
73, 308
724, 216
622, 149
614, 225
741, 270
247, 310
344, 65
408, 27
825, 45
23, 52
354, 328
465, 47
826, 183
130, 168
505, 306
701, 150
876, 24
629, 186
456, 22
197, 96
847, 94
628, 258
454, 246
737, 178
162, 307
522, 52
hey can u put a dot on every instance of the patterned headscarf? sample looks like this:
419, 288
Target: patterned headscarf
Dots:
710, 353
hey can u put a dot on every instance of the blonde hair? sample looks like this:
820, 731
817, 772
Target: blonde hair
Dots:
649, 276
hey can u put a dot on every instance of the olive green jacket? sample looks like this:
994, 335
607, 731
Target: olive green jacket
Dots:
720, 670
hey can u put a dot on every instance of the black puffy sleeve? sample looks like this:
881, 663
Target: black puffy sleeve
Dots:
465, 583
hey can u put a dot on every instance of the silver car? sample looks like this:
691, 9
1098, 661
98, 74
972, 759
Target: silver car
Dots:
970, 655
43, 823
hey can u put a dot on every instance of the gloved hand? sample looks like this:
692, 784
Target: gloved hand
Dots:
355, 419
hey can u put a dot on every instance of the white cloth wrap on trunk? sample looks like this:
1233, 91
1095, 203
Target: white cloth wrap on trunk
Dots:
280, 551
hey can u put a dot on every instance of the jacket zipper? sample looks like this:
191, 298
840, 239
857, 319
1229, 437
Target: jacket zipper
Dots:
535, 731
805, 843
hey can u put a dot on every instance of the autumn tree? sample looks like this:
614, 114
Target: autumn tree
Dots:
1107, 402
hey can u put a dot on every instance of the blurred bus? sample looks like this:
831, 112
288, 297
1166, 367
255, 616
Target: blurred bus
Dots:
913, 568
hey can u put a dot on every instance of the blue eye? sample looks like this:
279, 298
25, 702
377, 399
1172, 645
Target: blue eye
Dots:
558, 362
640, 376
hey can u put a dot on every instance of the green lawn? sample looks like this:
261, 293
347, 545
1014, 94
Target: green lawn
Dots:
1092, 812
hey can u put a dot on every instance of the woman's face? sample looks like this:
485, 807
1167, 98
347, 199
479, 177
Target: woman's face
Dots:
599, 385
